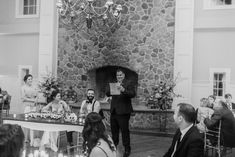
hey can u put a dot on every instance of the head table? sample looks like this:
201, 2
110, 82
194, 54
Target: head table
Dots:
42, 124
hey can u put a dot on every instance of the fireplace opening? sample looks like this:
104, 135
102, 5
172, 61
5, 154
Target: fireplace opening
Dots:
100, 78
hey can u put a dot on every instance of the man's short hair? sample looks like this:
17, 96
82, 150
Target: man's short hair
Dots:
90, 89
227, 95
187, 111
120, 70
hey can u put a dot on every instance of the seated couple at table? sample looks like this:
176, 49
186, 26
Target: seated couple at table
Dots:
59, 106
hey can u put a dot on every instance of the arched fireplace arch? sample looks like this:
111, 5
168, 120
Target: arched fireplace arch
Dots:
100, 77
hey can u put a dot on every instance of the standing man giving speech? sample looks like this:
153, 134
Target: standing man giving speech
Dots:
121, 91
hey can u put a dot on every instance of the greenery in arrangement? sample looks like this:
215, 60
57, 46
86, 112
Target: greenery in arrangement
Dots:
49, 83
163, 94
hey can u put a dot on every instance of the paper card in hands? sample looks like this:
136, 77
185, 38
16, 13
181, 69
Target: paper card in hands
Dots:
114, 88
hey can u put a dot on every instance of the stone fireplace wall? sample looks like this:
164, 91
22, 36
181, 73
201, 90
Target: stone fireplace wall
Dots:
143, 42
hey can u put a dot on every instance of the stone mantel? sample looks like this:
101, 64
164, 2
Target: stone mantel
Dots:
140, 108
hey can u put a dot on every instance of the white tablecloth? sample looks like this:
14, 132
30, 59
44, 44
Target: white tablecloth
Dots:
44, 126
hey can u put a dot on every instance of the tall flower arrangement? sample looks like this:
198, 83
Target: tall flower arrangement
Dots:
162, 94
49, 83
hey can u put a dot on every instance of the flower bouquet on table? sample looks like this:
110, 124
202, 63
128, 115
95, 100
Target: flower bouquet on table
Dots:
48, 84
163, 94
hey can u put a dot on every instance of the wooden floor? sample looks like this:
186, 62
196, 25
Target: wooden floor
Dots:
142, 146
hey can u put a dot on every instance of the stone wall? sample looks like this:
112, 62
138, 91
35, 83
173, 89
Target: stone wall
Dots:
142, 42
149, 121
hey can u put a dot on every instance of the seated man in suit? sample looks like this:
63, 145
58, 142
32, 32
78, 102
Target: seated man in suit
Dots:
187, 141
228, 99
227, 123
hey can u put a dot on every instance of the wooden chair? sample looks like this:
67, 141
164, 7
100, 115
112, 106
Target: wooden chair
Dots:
213, 143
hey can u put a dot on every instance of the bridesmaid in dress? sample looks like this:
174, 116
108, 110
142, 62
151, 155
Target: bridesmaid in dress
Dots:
29, 100
56, 106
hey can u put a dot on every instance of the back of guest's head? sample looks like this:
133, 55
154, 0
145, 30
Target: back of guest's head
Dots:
226, 96
188, 112
11, 140
94, 129
27, 76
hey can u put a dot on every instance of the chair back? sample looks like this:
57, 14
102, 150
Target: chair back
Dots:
213, 142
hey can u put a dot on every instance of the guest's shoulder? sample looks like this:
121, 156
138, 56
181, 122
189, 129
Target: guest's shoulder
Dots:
97, 152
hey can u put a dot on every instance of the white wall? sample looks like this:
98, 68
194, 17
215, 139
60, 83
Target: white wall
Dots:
10, 24
19, 42
17, 50
214, 47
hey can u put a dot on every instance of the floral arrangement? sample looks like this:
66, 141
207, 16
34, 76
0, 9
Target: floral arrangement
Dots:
163, 94
48, 84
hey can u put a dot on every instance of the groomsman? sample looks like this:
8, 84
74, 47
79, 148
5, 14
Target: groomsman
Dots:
187, 141
228, 99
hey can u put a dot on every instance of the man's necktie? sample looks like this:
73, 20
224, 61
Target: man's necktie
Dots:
176, 144
229, 106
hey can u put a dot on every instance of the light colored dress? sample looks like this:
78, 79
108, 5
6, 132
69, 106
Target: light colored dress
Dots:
28, 95
50, 138
102, 149
203, 112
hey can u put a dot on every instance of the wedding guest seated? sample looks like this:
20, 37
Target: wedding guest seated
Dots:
223, 114
211, 99
11, 140
187, 141
97, 143
228, 99
57, 106
203, 112
90, 104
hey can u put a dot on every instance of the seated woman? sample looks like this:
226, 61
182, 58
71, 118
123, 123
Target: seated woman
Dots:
203, 112
11, 140
223, 114
97, 143
57, 106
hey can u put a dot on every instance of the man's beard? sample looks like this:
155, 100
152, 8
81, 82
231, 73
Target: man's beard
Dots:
90, 98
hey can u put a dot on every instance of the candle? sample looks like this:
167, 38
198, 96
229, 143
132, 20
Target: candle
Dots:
60, 155
36, 153
23, 153
30, 155
42, 153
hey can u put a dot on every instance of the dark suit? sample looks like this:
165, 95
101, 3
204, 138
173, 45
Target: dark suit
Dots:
120, 110
227, 125
191, 145
233, 106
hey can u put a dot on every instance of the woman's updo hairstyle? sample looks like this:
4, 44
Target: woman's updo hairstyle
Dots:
27, 76
11, 140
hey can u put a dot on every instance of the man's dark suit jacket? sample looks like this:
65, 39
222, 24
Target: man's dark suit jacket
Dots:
227, 125
121, 104
233, 105
191, 145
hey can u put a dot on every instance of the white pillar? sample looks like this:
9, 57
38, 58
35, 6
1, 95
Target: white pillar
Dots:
183, 59
48, 37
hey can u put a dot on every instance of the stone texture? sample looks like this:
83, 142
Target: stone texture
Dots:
143, 42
